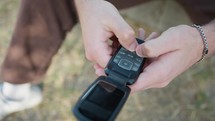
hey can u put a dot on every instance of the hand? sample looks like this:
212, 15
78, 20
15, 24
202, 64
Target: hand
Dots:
170, 54
100, 20
141, 35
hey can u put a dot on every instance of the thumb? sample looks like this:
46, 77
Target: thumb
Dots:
124, 33
155, 47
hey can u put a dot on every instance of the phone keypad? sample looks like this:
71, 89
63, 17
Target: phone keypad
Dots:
125, 64
128, 60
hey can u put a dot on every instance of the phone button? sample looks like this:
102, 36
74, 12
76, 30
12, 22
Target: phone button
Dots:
121, 53
125, 64
117, 59
138, 59
135, 68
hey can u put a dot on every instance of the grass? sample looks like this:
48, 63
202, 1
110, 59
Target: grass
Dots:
190, 97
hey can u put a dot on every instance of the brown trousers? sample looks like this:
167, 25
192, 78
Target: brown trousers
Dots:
41, 28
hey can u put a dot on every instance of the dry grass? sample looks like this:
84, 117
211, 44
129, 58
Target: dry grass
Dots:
190, 97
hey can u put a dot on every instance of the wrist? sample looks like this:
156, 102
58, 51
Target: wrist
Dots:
209, 30
203, 39
195, 42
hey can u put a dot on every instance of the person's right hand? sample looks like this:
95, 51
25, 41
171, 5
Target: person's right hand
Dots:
100, 20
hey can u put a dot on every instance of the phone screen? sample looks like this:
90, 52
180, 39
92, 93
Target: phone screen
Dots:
101, 101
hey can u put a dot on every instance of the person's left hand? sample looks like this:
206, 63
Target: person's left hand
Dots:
170, 54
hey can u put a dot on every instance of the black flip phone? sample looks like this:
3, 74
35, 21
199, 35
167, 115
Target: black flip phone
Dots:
104, 98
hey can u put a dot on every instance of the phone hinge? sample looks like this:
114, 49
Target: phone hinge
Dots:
122, 81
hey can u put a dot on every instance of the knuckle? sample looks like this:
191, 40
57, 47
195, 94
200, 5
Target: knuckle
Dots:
146, 50
128, 35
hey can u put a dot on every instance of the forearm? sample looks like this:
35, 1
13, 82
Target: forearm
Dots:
209, 30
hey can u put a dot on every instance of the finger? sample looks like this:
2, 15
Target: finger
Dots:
157, 85
156, 47
99, 70
153, 35
141, 33
98, 50
124, 33
96, 66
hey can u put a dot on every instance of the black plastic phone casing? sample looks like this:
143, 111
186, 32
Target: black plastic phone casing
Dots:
105, 97
77, 110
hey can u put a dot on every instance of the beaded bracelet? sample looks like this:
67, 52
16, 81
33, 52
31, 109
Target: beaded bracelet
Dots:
205, 50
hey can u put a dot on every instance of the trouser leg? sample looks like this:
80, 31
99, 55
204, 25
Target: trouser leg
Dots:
39, 32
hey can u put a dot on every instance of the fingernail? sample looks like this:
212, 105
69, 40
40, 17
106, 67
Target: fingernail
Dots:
133, 46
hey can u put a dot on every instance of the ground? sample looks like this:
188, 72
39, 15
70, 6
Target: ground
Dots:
189, 97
